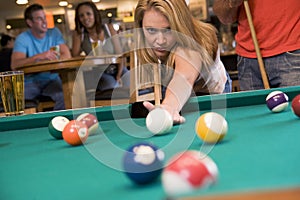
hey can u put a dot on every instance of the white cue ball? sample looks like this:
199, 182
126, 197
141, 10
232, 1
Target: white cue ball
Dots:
159, 121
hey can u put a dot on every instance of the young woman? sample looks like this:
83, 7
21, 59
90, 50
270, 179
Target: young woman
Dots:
186, 48
90, 33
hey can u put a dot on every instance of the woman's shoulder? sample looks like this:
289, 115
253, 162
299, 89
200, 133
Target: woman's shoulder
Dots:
76, 34
190, 54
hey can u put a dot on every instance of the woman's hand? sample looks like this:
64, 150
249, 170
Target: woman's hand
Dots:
177, 118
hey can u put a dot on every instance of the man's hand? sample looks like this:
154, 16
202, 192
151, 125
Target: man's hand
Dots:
235, 3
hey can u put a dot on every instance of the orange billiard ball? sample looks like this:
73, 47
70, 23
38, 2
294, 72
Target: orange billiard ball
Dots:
75, 133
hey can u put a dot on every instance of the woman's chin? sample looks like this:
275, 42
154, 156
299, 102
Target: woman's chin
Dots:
161, 54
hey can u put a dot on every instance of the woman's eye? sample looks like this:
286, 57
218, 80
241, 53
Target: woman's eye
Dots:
166, 30
151, 30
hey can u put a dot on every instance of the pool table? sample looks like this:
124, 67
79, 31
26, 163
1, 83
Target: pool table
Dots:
257, 159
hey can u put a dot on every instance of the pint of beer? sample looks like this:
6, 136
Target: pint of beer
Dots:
12, 92
97, 48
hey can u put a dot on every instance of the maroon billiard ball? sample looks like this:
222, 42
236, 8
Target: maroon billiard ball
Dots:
296, 105
91, 121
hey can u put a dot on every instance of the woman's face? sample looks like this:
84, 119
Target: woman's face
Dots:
158, 34
86, 16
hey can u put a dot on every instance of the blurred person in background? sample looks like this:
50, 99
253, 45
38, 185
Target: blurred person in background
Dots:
34, 45
7, 45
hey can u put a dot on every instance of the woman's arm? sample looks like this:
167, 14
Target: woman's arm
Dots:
187, 68
115, 39
76, 42
227, 10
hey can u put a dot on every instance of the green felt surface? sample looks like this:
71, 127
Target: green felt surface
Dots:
261, 151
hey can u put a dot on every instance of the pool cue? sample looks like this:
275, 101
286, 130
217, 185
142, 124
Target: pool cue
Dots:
257, 49
157, 85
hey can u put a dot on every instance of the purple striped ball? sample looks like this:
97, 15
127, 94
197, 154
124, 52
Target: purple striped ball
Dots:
277, 101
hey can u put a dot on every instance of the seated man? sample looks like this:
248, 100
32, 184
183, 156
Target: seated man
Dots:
33, 46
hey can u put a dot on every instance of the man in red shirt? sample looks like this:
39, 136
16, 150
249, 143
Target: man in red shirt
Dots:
277, 25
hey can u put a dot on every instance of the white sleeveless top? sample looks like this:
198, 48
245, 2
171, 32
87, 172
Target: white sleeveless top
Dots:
214, 74
216, 82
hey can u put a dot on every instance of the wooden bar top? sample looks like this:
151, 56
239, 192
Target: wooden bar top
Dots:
71, 63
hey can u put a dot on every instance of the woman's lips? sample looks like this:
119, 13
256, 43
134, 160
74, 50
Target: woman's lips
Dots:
162, 50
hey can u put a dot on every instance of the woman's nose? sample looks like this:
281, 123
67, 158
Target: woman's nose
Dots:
160, 39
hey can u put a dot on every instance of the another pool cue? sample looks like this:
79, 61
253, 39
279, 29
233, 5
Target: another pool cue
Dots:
157, 85
257, 49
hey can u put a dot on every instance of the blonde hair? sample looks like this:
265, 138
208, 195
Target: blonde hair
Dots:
182, 22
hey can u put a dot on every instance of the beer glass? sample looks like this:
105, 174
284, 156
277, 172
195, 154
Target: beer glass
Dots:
97, 48
57, 50
12, 92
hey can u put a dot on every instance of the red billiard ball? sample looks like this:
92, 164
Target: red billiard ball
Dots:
91, 121
187, 171
277, 101
75, 133
143, 163
296, 105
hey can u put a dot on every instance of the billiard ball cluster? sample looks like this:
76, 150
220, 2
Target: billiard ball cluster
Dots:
74, 132
278, 101
143, 162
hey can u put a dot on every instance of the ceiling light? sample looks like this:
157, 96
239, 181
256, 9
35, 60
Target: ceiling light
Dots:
59, 20
63, 3
109, 14
22, 2
95, 1
8, 27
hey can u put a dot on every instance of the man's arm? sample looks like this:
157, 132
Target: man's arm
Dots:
227, 10
19, 59
64, 51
